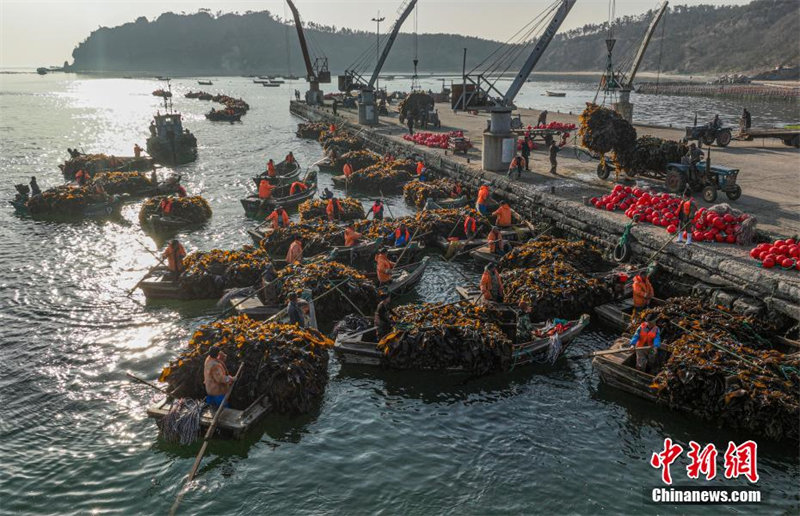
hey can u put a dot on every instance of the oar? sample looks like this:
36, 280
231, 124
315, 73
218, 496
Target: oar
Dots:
132, 290
608, 352
141, 380
383, 201
408, 244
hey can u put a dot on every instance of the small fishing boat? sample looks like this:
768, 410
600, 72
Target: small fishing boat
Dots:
255, 207
41, 70
270, 84
404, 278
231, 422
619, 370
284, 172
617, 314
555, 93
168, 224
362, 250
95, 211
159, 284
277, 81
205, 83
325, 165
223, 116
450, 202
169, 143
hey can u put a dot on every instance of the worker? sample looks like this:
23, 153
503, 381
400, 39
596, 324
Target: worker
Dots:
383, 267
216, 378
470, 226
278, 217
503, 214
401, 236
382, 321
525, 151
137, 151
174, 253
692, 158
377, 210
332, 127
351, 236
515, 166
81, 177
180, 190
289, 158
647, 334
483, 197
457, 190
294, 312
686, 212
297, 187
295, 253
347, 170
524, 324
410, 125
326, 194
271, 172
166, 205
495, 240
716, 123
491, 284
420, 167
35, 190
542, 120
748, 120
265, 189
269, 287
334, 209
553, 150
642, 292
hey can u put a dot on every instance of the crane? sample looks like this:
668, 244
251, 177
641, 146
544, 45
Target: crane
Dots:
317, 72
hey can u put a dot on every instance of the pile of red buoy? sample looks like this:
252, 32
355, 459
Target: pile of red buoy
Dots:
558, 126
434, 140
662, 210
781, 253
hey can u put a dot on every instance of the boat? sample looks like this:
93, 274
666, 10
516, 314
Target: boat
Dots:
168, 224
232, 422
555, 93
265, 77
619, 370
362, 250
617, 314
94, 163
404, 278
223, 116
255, 207
360, 348
41, 70
205, 83
514, 233
96, 211
325, 165
284, 172
159, 285
169, 143
450, 202
277, 81
270, 84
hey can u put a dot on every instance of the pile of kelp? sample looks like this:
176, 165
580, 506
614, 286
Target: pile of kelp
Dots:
64, 200
722, 367
603, 130
132, 183
209, 273
441, 337
649, 153
386, 177
285, 364
312, 209
417, 192
358, 159
311, 130
162, 93
415, 104
318, 237
554, 289
342, 144
336, 288
234, 105
193, 209
198, 95
426, 224
546, 249
94, 163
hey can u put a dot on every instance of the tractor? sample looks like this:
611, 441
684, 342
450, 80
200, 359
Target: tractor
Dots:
708, 180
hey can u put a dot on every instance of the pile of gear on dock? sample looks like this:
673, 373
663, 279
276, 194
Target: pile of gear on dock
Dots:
546, 249
318, 237
286, 364
781, 253
117, 183
193, 209
209, 273
721, 367
456, 336
312, 209
417, 192
351, 289
311, 130
64, 200
93, 163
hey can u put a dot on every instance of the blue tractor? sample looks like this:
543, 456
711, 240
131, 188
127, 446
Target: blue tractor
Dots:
708, 179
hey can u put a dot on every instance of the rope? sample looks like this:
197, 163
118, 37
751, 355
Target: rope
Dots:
182, 423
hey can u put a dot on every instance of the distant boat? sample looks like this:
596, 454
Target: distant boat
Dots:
277, 81
387, 77
265, 77
162, 78
292, 77
270, 84
205, 83
41, 70
555, 93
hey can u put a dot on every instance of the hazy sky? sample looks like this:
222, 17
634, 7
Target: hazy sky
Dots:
36, 33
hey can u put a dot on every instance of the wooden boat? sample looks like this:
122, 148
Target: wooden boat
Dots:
443, 244
450, 202
555, 93
222, 116
231, 421
255, 207
205, 83
277, 81
95, 211
325, 165
270, 84
619, 370
514, 233
339, 181
405, 278
617, 314
360, 348
166, 224
158, 284
363, 250
284, 172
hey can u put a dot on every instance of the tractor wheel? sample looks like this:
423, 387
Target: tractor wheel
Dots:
707, 138
675, 181
723, 138
735, 193
603, 170
710, 193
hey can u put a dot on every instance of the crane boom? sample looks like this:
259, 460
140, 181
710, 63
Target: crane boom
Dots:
311, 76
538, 50
388, 46
643, 47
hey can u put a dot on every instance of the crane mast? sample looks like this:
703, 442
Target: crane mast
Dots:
315, 73
389, 42
628, 81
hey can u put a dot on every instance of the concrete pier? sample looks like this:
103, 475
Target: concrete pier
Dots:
724, 273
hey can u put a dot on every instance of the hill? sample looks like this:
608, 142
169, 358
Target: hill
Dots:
700, 39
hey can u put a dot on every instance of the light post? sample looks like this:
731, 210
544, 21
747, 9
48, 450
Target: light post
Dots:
378, 20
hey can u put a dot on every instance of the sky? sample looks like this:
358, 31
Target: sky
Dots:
43, 33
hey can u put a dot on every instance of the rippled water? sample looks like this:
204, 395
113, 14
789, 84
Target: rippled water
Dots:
75, 438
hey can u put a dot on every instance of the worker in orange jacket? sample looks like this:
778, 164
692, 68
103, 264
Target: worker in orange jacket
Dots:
495, 241
642, 292
265, 189
351, 236
278, 217
383, 266
333, 209
297, 187
491, 284
420, 167
295, 253
503, 214
647, 335
81, 177
289, 158
166, 205
271, 172
483, 197
347, 170
174, 253
470, 226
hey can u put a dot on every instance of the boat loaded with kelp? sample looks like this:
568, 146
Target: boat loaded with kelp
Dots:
66, 203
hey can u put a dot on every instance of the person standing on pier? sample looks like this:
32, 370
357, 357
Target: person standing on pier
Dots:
526, 153
491, 285
542, 120
335, 105
686, 212
553, 153
648, 336
410, 124
216, 379
515, 166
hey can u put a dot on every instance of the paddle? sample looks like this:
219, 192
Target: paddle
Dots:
388, 208
141, 380
408, 244
132, 290
607, 352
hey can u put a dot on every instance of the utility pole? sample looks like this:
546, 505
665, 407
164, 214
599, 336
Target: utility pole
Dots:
378, 20
464, 81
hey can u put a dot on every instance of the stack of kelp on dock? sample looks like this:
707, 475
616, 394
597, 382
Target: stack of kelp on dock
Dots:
286, 364
209, 273
312, 209
722, 367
